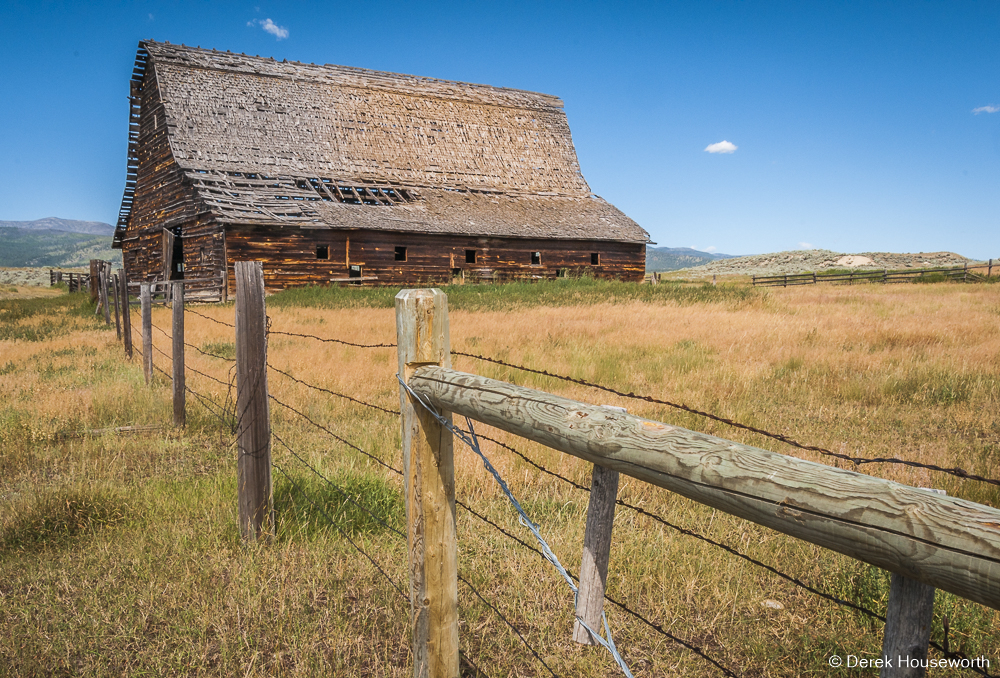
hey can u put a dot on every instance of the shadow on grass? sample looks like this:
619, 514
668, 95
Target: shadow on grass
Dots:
58, 518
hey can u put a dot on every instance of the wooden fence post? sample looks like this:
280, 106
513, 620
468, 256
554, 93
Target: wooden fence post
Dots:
429, 490
126, 314
989, 270
92, 282
253, 409
147, 331
908, 618
596, 551
118, 319
177, 355
104, 281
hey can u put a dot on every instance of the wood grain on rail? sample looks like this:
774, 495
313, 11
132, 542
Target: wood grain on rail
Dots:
942, 541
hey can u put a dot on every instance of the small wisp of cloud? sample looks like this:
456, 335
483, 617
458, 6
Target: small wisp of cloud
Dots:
279, 32
986, 109
722, 147
806, 246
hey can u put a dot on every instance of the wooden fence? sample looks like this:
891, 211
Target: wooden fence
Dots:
964, 273
924, 539
76, 282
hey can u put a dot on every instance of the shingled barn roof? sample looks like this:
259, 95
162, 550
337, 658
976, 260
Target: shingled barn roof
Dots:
267, 142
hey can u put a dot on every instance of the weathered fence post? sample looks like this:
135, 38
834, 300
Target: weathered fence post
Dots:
989, 270
92, 282
253, 409
177, 355
104, 281
908, 618
118, 319
126, 314
596, 552
429, 490
147, 331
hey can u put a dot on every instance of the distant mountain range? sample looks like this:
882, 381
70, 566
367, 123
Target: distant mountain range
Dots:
43, 246
676, 258
57, 224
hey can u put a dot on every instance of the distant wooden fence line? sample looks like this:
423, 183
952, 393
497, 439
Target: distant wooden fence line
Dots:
964, 273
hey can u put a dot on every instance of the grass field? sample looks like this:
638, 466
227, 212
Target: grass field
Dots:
120, 554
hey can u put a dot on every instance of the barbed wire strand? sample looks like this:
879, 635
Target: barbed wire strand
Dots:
389, 527
332, 341
202, 315
857, 461
656, 627
696, 535
334, 435
343, 533
333, 393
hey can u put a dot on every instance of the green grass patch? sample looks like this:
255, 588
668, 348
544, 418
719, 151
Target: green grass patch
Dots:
514, 295
306, 503
19, 318
221, 349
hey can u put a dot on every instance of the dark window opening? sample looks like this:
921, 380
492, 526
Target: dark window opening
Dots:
354, 272
456, 273
400, 254
536, 258
470, 256
561, 273
595, 258
322, 251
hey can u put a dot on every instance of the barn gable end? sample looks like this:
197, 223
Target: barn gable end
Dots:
240, 157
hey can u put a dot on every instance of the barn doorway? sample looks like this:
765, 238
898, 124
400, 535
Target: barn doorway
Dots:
173, 255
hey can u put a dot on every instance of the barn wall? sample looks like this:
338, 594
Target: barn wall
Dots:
290, 257
162, 198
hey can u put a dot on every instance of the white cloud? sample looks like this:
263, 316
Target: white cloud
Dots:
986, 109
805, 246
722, 147
279, 32
712, 249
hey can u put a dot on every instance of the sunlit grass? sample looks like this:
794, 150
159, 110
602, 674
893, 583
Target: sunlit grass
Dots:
120, 551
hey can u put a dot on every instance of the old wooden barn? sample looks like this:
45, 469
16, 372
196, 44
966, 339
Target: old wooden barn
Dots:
337, 174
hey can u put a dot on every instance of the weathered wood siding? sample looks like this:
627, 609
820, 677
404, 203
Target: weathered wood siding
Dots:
165, 200
290, 257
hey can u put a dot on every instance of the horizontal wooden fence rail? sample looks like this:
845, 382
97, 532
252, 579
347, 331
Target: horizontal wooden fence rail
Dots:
942, 541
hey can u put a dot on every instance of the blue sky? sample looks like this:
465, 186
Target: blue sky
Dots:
868, 126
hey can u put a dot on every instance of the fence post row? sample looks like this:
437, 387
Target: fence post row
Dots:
253, 409
126, 313
177, 354
429, 490
147, 331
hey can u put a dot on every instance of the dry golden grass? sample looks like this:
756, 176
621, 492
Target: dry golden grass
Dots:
120, 554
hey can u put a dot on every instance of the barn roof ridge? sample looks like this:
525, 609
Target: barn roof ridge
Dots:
354, 76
